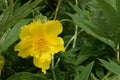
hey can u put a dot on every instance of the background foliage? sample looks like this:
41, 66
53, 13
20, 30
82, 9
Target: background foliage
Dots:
91, 34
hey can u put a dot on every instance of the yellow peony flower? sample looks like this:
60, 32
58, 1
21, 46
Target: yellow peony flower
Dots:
2, 62
41, 41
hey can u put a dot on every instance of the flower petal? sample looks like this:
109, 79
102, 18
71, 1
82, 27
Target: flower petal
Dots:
34, 53
57, 44
24, 32
43, 62
23, 47
53, 27
36, 28
22, 52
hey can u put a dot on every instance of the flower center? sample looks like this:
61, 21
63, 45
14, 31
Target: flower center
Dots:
40, 43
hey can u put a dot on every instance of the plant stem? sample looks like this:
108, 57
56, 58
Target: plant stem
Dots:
76, 1
54, 77
52, 68
118, 54
72, 38
76, 29
57, 8
58, 60
52, 65
75, 36
68, 20
6, 3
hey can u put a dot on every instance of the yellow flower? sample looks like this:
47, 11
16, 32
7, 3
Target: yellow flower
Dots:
2, 62
41, 41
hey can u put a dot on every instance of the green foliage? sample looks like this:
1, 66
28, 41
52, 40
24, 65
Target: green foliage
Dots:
26, 76
112, 66
109, 11
93, 77
84, 73
91, 33
10, 16
116, 77
105, 29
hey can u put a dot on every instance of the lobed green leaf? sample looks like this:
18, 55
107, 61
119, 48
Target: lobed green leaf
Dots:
112, 66
84, 75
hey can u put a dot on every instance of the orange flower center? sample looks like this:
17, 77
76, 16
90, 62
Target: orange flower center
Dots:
40, 43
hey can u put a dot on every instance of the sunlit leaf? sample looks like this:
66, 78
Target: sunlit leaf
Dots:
112, 66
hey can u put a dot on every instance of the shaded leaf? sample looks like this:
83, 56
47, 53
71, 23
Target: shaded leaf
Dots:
93, 77
114, 21
84, 75
26, 76
108, 11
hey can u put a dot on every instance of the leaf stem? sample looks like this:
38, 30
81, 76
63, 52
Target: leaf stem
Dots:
52, 68
58, 60
54, 76
118, 54
76, 29
76, 1
57, 8
75, 36
6, 3
52, 65
66, 20
71, 39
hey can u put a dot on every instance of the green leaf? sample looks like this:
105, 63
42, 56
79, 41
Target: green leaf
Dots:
10, 17
93, 77
60, 75
88, 50
114, 77
114, 21
11, 35
108, 11
27, 76
112, 66
99, 72
90, 28
84, 75
96, 27
4, 16
118, 6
